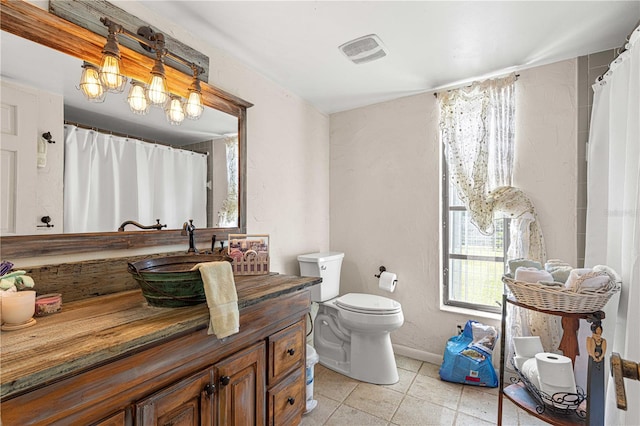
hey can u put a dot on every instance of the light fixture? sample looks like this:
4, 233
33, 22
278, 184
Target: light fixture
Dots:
112, 79
137, 98
174, 111
157, 88
95, 82
193, 107
90, 83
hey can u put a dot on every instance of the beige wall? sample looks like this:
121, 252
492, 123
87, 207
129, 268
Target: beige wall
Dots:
385, 200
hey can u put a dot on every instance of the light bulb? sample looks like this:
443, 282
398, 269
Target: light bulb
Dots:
90, 83
137, 99
110, 73
175, 112
157, 90
194, 107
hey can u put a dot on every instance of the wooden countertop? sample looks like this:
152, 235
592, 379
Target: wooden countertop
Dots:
93, 331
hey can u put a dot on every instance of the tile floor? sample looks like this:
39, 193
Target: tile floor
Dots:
419, 398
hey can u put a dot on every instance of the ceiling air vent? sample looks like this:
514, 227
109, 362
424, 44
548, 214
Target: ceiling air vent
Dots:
364, 49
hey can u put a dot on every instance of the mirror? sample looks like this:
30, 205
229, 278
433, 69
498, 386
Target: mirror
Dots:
58, 62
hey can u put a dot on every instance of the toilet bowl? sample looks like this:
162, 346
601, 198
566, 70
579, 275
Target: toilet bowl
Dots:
351, 333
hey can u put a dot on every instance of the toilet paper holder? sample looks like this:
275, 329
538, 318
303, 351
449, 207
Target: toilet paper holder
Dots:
382, 269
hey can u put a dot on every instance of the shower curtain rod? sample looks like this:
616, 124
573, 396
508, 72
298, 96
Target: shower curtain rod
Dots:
467, 85
124, 135
619, 51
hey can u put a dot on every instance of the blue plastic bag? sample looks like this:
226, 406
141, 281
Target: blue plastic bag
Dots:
467, 356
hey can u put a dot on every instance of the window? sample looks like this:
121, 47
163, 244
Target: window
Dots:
477, 135
473, 263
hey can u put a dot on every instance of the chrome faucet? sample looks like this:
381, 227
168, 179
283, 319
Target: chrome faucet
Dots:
189, 228
157, 225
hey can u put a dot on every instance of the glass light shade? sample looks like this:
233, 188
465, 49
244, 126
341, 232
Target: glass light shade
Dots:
175, 112
194, 107
110, 75
137, 98
157, 90
90, 83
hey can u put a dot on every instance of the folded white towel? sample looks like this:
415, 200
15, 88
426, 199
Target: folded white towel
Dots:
222, 298
609, 271
532, 275
587, 279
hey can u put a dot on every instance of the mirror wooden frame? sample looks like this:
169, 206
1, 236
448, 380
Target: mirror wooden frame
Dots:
33, 23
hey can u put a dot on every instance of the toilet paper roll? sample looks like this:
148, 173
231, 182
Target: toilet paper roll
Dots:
527, 346
387, 281
555, 373
530, 371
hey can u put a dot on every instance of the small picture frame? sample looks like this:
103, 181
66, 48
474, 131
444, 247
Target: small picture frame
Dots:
250, 253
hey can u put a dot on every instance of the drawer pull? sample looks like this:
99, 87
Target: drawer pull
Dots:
209, 389
224, 380
291, 400
291, 351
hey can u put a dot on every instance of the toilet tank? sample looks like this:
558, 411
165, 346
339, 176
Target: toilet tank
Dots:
326, 265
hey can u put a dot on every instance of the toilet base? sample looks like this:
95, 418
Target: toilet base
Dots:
367, 357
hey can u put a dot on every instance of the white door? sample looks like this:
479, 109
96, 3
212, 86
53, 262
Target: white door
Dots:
18, 151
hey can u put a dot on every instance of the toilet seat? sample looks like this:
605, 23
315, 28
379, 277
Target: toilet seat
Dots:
368, 304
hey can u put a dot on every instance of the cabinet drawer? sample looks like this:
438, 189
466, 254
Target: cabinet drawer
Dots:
286, 400
286, 351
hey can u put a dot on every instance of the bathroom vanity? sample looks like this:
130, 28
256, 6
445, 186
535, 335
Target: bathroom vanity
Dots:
115, 360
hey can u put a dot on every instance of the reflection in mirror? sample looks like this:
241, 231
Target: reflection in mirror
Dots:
108, 137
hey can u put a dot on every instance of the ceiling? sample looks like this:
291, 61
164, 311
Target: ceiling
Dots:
430, 44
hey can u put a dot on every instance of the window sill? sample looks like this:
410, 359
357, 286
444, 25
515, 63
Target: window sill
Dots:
471, 312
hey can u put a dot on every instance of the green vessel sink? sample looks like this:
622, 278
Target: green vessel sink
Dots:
169, 282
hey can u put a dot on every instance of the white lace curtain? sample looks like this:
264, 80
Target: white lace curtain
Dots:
110, 179
477, 129
613, 209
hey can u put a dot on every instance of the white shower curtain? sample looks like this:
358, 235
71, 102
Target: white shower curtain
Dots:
110, 179
613, 210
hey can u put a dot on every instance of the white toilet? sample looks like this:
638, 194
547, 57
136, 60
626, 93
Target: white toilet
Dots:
351, 333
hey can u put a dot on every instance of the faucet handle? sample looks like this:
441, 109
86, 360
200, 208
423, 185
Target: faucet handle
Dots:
621, 369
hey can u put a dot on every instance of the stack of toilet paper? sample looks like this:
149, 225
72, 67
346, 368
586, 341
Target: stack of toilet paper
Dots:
548, 372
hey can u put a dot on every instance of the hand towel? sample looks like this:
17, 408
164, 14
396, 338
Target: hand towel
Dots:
222, 299
558, 269
609, 271
532, 275
514, 264
587, 279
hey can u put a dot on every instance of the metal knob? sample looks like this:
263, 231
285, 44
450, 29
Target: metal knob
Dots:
209, 389
291, 400
291, 351
225, 380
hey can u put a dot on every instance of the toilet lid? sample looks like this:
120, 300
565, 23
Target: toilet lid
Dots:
368, 303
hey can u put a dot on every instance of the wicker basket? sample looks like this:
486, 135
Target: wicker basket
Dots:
551, 298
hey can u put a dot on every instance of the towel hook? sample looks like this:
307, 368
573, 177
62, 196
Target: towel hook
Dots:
382, 269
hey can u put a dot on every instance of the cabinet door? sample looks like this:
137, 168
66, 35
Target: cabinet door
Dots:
188, 402
241, 387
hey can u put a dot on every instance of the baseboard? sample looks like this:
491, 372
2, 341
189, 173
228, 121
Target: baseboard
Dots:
417, 354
